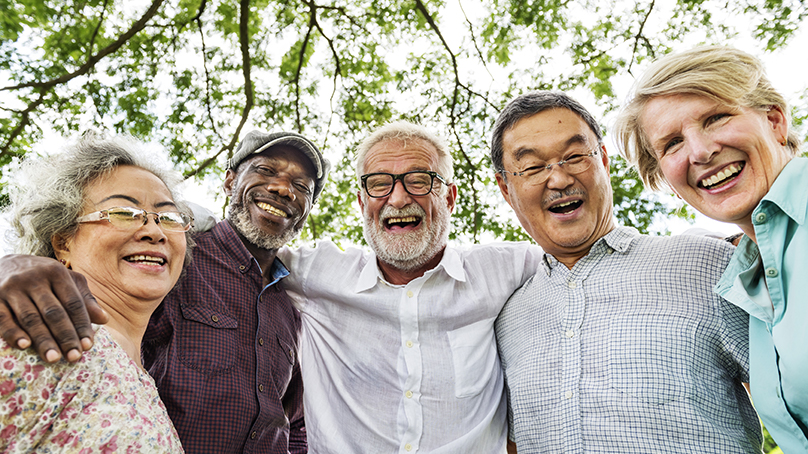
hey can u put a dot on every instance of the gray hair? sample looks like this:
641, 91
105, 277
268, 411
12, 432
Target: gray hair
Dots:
48, 194
405, 131
530, 104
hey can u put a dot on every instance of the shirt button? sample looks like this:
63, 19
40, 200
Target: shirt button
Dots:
261, 388
570, 333
215, 318
760, 218
408, 447
568, 394
242, 267
771, 272
409, 293
408, 394
253, 435
571, 284
260, 341
409, 344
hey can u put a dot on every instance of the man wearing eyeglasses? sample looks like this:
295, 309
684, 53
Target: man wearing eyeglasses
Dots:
398, 351
617, 344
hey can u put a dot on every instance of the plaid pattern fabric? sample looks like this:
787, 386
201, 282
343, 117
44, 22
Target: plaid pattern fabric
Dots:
629, 351
223, 351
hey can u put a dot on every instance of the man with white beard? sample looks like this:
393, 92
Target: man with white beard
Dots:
397, 349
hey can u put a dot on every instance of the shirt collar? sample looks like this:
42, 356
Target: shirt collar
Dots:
244, 260
787, 193
371, 274
618, 240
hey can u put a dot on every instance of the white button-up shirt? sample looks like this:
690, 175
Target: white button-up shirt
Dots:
404, 368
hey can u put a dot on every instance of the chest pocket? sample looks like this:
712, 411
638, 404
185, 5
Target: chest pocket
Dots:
285, 358
474, 357
207, 339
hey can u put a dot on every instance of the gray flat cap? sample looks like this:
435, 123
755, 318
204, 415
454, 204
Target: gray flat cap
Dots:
258, 141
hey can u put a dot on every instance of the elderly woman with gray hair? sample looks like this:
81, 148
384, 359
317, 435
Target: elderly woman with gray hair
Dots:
708, 123
104, 211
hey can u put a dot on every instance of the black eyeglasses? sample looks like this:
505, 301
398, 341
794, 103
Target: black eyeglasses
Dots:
417, 182
130, 218
573, 165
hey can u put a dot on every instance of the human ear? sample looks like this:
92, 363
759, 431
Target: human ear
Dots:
229, 181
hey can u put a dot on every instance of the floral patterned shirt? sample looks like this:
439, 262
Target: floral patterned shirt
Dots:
104, 403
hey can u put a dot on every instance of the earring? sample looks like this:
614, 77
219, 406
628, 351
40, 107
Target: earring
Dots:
65, 263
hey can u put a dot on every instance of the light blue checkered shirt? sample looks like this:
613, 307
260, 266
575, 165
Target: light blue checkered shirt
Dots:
629, 351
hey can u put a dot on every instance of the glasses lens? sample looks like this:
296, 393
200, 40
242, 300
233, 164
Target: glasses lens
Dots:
379, 185
418, 183
125, 217
578, 164
173, 220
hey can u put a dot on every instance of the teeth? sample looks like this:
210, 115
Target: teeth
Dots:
271, 209
565, 204
145, 259
402, 220
721, 176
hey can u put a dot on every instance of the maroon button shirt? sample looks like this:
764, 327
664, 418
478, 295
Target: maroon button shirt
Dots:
223, 352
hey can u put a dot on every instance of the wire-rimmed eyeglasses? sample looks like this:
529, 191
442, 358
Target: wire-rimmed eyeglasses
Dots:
416, 182
131, 218
573, 165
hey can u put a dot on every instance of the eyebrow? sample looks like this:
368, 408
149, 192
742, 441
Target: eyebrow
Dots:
135, 201
573, 140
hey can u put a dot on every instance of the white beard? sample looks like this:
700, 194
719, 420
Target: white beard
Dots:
411, 250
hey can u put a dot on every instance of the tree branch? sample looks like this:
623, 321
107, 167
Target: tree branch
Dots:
301, 59
639, 35
91, 62
24, 121
249, 95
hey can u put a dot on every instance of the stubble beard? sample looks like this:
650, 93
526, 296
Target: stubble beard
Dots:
239, 217
412, 250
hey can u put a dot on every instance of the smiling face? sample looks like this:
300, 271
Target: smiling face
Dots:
403, 230
567, 213
271, 196
121, 264
720, 159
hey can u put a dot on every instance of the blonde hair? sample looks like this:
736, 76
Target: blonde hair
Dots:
722, 74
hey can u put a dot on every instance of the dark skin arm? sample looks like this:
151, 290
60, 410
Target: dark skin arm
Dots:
511, 447
47, 306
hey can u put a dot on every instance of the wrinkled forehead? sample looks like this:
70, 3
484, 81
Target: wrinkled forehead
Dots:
547, 134
284, 156
413, 154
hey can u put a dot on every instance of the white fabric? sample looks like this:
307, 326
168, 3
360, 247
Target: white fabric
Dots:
404, 369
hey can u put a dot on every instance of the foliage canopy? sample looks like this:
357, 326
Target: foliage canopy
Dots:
196, 75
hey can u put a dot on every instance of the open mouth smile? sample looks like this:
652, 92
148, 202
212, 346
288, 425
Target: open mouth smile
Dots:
271, 209
723, 177
145, 260
566, 207
402, 222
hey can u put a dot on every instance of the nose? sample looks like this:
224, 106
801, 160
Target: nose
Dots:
399, 198
282, 187
559, 178
701, 147
151, 231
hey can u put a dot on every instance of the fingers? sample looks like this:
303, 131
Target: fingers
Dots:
33, 290
10, 331
82, 309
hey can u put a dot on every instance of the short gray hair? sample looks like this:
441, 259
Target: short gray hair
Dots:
48, 194
529, 104
404, 131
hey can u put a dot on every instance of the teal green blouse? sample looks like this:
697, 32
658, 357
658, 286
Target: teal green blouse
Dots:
769, 280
